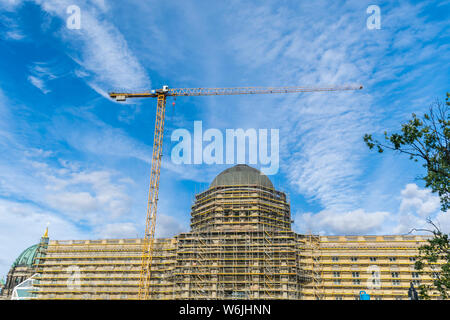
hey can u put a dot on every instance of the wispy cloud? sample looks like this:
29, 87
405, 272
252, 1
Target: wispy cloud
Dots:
98, 47
320, 165
88, 134
40, 74
10, 28
38, 83
323, 154
14, 35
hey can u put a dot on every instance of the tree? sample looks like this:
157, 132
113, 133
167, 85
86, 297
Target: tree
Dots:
428, 140
434, 260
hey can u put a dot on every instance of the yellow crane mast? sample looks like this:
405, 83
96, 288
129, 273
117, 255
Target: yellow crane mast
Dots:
161, 95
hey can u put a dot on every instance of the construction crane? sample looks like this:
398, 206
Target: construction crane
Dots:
161, 95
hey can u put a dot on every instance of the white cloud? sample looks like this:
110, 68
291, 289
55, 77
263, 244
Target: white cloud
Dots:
415, 207
168, 226
22, 224
343, 223
118, 231
443, 221
36, 190
76, 193
76, 202
406, 222
37, 152
420, 201
5, 120
85, 195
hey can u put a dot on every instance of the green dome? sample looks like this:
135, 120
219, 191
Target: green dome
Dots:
241, 174
26, 258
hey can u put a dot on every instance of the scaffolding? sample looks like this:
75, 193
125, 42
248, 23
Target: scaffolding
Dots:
240, 247
102, 269
227, 264
314, 248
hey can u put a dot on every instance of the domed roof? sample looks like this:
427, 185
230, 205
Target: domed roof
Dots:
241, 174
26, 258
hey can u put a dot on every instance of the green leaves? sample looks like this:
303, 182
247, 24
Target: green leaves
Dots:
434, 261
369, 141
426, 140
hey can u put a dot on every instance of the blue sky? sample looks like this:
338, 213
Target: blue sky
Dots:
78, 162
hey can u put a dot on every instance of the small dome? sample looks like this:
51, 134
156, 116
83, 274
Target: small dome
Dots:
26, 258
241, 174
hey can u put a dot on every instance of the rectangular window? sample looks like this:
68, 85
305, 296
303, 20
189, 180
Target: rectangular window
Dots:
396, 282
337, 281
335, 258
376, 281
354, 259
392, 259
355, 274
336, 274
394, 274
415, 274
373, 259
356, 281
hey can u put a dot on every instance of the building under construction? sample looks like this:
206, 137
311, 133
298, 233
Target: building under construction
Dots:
241, 246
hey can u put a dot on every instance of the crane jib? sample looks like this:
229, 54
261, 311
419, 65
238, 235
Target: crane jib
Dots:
176, 92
